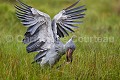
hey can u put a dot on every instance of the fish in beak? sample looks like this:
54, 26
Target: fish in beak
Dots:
69, 55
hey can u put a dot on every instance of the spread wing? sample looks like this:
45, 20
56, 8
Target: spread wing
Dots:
39, 36
67, 18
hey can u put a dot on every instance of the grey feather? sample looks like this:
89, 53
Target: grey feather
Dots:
76, 17
62, 29
22, 9
35, 46
66, 28
73, 22
70, 26
60, 33
72, 5
22, 4
75, 9
40, 55
34, 28
75, 12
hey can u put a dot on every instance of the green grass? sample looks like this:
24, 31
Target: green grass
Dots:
91, 60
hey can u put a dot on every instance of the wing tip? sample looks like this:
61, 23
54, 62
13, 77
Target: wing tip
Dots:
23, 4
72, 5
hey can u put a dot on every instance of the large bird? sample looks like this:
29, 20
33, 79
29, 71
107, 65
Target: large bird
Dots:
43, 34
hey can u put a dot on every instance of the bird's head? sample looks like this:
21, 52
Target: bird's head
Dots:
70, 47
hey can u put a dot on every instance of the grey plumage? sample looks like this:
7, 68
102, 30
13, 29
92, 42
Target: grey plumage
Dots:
43, 34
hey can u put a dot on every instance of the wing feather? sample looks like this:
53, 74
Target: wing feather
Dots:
62, 29
22, 9
35, 46
75, 9
38, 24
60, 32
67, 18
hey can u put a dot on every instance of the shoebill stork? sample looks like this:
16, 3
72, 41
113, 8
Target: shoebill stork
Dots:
43, 34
